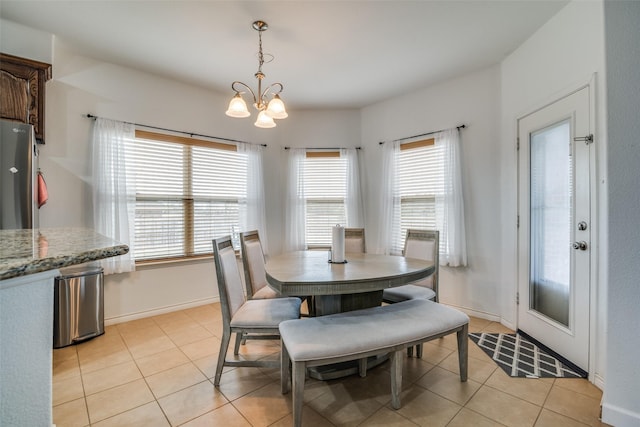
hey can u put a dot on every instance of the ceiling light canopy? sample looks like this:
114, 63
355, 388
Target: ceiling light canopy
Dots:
268, 109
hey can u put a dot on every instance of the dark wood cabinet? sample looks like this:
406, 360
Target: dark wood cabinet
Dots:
22, 91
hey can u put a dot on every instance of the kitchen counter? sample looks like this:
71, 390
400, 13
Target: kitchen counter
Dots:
29, 262
32, 251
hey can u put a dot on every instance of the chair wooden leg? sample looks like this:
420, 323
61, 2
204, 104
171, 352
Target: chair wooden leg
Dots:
463, 351
396, 378
285, 374
299, 369
239, 340
222, 355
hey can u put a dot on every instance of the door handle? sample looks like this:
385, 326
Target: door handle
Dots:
582, 245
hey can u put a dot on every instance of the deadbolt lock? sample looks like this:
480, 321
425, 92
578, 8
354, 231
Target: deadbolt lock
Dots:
582, 245
582, 226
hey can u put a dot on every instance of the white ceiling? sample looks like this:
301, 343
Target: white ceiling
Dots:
328, 54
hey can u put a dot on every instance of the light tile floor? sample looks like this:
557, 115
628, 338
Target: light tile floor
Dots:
158, 372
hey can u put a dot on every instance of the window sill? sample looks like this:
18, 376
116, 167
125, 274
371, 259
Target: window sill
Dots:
176, 261
172, 261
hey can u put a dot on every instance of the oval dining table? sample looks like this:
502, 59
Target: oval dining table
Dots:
340, 287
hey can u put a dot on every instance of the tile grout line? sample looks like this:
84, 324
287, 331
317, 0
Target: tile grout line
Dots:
144, 379
204, 317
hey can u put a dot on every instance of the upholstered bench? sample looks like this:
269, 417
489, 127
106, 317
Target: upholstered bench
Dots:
363, 333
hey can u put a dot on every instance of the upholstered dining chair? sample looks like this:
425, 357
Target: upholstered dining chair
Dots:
255, 277
354, 240
258, 317
425, 245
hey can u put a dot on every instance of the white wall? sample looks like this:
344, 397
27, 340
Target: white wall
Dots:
621, 406
557, 59
25, 42
472, 100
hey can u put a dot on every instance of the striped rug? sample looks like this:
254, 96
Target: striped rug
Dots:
519, 357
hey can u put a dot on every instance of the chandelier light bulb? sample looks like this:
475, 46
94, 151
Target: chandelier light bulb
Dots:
264, 120
276, 108
237, 107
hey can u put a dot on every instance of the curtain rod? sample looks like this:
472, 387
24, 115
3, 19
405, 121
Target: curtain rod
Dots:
324, 148
191, 134
423, 134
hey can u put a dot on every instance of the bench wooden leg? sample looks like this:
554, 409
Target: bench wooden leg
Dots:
285, 374
463, 351
299, 369
396, 378
362, 367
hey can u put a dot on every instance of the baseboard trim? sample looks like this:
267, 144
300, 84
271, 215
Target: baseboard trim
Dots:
619, 417
168, 309
156, 311
476, 313
598, 381
508, 325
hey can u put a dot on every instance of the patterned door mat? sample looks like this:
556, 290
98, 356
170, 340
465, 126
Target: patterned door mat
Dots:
519, 357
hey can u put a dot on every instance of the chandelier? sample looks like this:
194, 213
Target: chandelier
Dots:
268, 109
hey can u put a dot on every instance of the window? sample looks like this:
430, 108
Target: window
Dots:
420, 181
325, 190
422, 188
188, 192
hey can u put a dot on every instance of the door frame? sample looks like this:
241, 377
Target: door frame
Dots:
593, 211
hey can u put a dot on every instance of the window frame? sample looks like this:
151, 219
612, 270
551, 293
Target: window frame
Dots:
323, 154
187, 197
404, 223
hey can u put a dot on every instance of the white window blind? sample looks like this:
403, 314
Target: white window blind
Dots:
186, 195
325, 190
420, 181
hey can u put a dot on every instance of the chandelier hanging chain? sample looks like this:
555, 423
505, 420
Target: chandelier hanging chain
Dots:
260, 55
259, 103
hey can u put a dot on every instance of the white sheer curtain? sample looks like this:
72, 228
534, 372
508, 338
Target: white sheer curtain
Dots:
114, 195
449, 210
389, 205
294, 239
450, 205
253, 212
353, 201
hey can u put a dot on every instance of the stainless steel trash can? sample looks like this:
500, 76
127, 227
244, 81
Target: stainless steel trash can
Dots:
78, 312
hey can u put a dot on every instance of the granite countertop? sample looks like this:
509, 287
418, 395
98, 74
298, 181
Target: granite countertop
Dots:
30, 251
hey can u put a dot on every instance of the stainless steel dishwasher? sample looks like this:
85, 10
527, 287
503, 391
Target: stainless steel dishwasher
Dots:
78, 312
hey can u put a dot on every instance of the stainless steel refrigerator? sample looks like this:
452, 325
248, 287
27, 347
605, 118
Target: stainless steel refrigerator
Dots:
18, 183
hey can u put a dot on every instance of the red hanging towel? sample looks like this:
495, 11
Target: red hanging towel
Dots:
43, 194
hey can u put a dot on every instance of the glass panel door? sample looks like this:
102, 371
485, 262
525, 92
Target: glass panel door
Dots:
554, 232
550, 205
